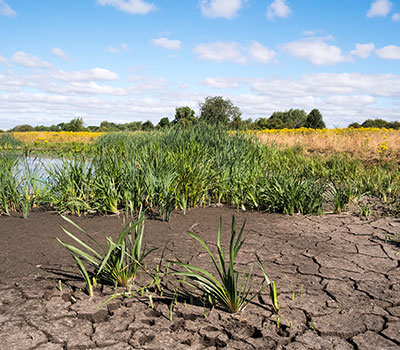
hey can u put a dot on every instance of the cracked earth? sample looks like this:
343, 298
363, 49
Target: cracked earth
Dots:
337, 276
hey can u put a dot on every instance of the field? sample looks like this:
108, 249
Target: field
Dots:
320, 216
362, 143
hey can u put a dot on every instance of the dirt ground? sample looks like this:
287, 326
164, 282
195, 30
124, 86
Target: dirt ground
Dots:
338, 284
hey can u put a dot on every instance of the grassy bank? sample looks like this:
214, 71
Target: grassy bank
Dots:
183, 168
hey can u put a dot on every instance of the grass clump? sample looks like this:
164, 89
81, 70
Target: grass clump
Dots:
118, 265
232, 289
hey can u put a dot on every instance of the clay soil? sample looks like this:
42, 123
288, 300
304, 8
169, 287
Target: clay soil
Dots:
338, 286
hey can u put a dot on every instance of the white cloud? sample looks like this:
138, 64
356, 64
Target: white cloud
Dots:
278, 8
311, 32
95, 74
315, 50
130, 6
327, 84
380, 8
60, 53
390, 52
113, 49
260, 53
396, 17
221, 83
341, 98
3, 60
363, 50
167, 43
6, 10
29, 61
220, 52
220, 8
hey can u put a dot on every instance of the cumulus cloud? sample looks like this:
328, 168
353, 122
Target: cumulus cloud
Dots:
130, 6
3, 60
60, 53
233, 52
363, 50
396, 17
113, 49
390, 52
342, 98
6, 10
220, 8
221, 83
278, 8
95, 74
26, 60
220, 52
260, 53
380, 8
315, 50
167, 43
327, 84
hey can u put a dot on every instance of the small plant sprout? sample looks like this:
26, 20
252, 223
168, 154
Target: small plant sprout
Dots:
230, 288
365, 211
272, 286
278, 322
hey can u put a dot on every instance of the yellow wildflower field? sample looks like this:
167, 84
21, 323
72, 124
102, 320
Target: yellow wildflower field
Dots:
365, 143
33, 137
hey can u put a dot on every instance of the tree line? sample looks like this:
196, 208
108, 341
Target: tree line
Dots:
213, 110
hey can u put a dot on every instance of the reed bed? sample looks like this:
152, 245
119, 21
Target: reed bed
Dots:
201, 166
363, 143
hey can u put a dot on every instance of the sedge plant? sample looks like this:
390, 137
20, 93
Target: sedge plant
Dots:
233, 290
118, 265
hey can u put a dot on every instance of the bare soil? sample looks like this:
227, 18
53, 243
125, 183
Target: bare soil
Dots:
338, 281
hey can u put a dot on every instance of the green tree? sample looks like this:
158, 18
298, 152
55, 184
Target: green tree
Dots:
314, 120
375, 123
23, 128
184, 116
75, 124
354, 125
217, 110
291, 119
147, 126
163, 123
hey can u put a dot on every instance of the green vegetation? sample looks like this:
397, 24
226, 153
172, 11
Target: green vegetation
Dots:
291, 119
230, 288
117, 266
181, 168
376, 123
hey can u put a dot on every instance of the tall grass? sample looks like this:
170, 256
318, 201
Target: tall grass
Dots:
203, 165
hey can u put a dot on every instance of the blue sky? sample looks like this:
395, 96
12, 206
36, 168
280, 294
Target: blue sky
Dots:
129, 60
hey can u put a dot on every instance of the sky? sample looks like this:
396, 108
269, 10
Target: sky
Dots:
137, 60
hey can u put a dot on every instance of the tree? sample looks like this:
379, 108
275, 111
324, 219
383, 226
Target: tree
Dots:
291, 119
23, 128
184, 116
217, 110
354, 125
147, 126
163, 123
75, 124
314, 120
376, 123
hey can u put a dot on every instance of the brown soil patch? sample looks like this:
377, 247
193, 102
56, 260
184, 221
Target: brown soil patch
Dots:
345, 277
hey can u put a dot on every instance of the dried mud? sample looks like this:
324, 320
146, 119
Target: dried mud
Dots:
338, 281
